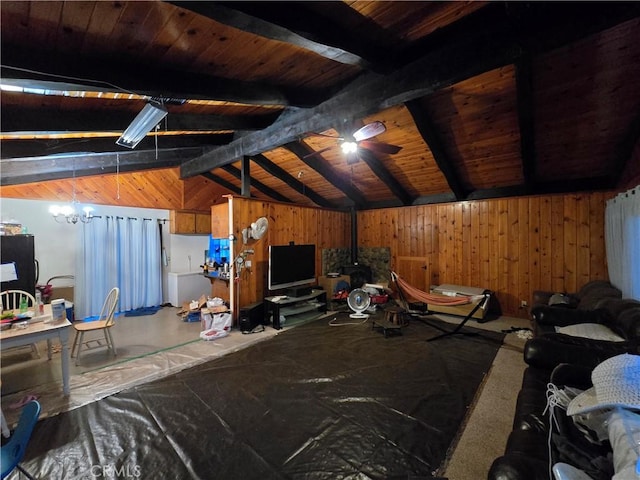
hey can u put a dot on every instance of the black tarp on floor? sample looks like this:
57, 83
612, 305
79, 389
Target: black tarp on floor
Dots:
315, 401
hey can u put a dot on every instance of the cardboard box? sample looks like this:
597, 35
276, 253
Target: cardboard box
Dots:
186, 306
329, 284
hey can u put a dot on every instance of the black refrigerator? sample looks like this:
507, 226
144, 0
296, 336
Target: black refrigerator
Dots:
20, 249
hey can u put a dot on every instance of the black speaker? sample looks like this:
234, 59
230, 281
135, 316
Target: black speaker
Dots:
251, 316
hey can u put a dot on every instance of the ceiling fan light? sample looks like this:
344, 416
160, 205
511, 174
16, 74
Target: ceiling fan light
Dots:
349, 147
144, 122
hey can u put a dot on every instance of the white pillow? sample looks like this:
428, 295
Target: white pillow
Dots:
594, 331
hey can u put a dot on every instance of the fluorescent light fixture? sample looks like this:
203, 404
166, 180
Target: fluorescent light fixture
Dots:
144, 122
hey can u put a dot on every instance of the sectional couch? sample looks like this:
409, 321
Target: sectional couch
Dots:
572, 333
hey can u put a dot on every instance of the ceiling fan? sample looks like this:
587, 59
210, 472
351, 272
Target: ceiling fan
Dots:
360, 139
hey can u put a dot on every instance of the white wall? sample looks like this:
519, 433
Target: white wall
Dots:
56, 243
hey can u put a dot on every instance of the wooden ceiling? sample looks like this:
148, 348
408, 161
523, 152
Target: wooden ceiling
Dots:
486, 99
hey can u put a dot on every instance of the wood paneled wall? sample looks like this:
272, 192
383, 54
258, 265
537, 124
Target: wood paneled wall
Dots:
511, 246
287, 223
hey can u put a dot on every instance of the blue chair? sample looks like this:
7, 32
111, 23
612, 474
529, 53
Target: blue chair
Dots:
13, 451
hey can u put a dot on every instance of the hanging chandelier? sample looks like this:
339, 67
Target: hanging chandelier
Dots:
69, 213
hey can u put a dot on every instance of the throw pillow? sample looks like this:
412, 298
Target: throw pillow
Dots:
594, 331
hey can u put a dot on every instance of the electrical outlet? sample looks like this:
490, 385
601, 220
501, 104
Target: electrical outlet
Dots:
247, 264
523, 304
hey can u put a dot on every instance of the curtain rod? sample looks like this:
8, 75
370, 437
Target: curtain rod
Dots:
130, 218
631, 191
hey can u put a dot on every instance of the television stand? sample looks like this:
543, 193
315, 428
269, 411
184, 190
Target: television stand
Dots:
295, 309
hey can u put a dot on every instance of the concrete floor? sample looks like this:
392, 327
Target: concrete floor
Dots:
150, 347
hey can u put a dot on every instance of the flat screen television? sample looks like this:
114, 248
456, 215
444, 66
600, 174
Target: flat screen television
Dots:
291, 266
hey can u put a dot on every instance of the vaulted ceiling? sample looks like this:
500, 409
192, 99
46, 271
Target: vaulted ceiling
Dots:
485, 99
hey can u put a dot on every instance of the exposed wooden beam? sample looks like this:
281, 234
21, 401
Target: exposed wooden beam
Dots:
431, 137
524, 88
55, 146
278, 172
435, 198
578, 185
222, 182
301, 150
259, 185
366, 96
472, 53
543, 188
283, 24
378, 168
40, 169
19, 65
20, 119
245, 177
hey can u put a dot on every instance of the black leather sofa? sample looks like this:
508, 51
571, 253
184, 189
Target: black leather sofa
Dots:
549, 356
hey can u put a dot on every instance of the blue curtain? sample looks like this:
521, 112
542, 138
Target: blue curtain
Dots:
118, 252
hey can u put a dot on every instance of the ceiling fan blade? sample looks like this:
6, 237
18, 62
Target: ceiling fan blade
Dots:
380, 147
322, 150
369, 130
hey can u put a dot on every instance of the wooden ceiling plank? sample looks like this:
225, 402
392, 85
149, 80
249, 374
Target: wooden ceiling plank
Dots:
258, 185
434, 142
301, 151
73, 24
273, 169
624, 151
525, 106
102, 24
